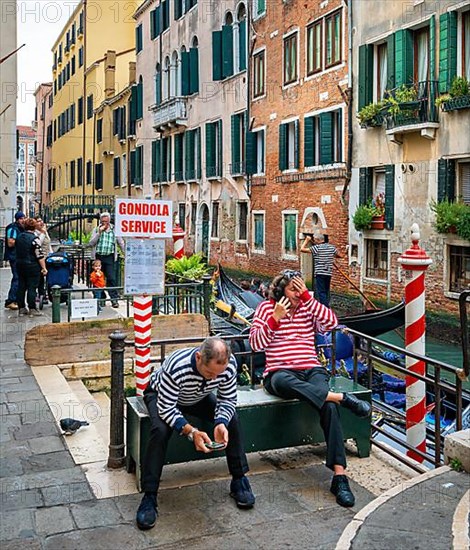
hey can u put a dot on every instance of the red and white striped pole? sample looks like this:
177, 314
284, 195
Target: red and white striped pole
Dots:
415, 261
142, 338
178, 241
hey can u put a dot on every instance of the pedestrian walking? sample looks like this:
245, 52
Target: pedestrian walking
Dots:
45, 242
105, 244
12, 232
98, 282
323, 255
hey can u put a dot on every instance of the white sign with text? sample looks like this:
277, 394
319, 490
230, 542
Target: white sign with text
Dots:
143, 218
84, 309
144, 267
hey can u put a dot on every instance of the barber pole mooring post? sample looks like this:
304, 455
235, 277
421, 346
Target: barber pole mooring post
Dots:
178, 241
415, 262
142, 338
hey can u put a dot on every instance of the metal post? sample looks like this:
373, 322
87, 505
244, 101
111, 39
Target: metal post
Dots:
207, 291
116, 429
55, 304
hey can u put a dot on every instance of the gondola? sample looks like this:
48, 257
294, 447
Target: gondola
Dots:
372, 322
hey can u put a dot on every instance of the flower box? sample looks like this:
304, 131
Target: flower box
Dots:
456, 103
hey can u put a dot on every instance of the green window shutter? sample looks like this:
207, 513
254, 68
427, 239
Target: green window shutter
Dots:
390, 196
178, 9
156, 165
132, 170
185, 74
193, 71
365, 185
152, 25
282, 146
138, 165
139, 104
309, 141
296, 144
210, 149
261, 7
447, 50
217, 55
338, 137
138, 38
235, 144
178, 145
165, 6
445, 180
251, 152
157, 21
403, 57
187, 154
158, 87
198, 154
227, 51
390, 62
133, 106
432, 47
220, 149
366, 75
242, 44
326, 138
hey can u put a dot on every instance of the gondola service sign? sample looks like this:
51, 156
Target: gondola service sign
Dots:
143, 218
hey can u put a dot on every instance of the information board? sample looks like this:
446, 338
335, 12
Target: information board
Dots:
84, 309
144, 267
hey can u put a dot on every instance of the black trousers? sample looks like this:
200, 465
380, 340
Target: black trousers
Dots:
312, 386
28, 283
161, 432
108, 265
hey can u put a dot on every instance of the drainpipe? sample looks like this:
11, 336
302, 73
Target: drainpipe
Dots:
41, 183
248, 90
84, 182
349, 4
160, 40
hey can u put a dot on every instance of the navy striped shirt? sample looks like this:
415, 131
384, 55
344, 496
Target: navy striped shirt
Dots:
178, 383
323, 256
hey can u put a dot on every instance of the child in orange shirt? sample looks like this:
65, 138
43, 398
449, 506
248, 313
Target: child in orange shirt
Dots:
97, 281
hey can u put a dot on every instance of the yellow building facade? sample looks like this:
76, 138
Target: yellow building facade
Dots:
93, 69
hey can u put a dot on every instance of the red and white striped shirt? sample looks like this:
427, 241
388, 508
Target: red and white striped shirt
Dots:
290, 343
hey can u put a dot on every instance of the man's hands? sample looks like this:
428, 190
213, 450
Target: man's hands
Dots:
201, 438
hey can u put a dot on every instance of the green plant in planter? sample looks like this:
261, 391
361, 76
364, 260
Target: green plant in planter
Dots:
397, 103
193, 267
362, 218
459, 87
451, 217
369, 114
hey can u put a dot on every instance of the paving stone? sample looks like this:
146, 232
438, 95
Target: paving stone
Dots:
22, 498
44, 479
6, 381
50, 521
16, 524
66, 493
104, 538
43, 414
392, 536
41, 445
11, 420
22, 544
17, 370
28, 385
128, 504
14, 448
26, 431
11, 466
48, 462
30, 395
27, 406
226, 541
97, 513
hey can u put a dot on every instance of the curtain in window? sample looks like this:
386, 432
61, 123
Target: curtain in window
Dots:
259, 231
464, 182
290, 242
329, 41
382, 69
423, 56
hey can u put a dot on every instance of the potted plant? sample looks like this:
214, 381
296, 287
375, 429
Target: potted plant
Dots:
458, 96
378, 204
372, 115
363, 216
451, 217
403, 105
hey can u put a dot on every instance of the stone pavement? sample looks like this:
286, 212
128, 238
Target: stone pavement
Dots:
47, 502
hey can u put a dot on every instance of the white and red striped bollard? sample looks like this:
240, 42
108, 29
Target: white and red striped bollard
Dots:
178, 241
416, 261
142, 338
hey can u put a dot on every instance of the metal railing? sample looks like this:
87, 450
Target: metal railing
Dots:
420, 108
363, 349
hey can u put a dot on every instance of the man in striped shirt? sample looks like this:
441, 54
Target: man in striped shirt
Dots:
185, 384
284, 326
324, 255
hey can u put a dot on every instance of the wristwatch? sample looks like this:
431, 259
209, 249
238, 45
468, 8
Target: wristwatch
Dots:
190, 435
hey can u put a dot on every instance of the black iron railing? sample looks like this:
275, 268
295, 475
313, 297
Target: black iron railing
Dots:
412, 104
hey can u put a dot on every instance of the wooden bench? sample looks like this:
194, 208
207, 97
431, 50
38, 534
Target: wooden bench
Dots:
268, 422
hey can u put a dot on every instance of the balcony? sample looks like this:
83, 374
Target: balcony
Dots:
170, 114
412, 108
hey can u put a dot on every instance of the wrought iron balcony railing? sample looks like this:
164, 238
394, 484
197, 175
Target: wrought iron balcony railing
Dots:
412, 104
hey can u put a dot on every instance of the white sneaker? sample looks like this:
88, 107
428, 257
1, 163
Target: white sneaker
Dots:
35, 313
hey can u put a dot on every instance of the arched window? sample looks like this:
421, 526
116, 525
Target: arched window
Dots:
21, 154
166, 79
240, 48
174, 80
158, 84
181, 90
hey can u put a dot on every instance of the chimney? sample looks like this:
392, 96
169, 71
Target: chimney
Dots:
132, 72
110, 74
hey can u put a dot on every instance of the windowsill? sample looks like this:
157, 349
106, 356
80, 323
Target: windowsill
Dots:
242, 241
260, 16
452, 295
231, 77
215, 239
325, 71
214, 178
290, 171
323, 167
259, 97
291, 84
290, 257
260, 252
259, 175
376, 281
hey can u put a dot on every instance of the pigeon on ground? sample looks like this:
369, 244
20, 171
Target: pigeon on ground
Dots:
70, 425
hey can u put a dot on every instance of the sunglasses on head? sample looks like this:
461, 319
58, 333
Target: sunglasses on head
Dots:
291, 273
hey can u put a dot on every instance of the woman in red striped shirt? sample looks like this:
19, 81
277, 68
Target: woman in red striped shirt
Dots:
284, 326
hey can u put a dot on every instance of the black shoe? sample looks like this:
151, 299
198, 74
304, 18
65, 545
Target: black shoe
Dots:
115, 304
340, 488
357, 406
241, 491
147, 512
